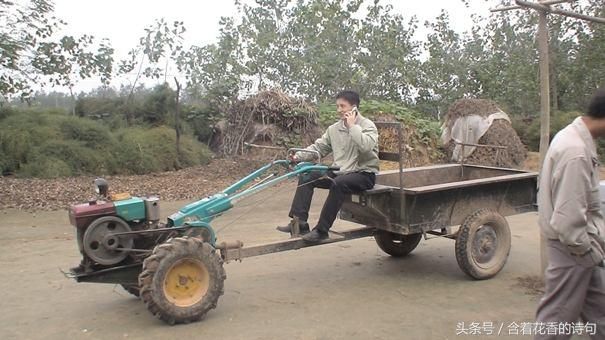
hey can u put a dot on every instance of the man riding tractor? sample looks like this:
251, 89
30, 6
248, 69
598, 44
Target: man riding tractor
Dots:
353, 141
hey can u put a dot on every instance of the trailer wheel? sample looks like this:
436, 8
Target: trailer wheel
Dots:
182, 280
132, 289
396, 245
483, 244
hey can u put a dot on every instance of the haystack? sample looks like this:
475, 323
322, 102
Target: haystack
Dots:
268, 117
500, 133
416, 151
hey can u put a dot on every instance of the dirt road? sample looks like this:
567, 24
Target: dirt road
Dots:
348, 290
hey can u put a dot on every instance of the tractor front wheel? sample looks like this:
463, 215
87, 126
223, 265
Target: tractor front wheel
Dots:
182, 280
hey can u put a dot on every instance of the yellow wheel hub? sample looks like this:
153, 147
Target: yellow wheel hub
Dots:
186, 282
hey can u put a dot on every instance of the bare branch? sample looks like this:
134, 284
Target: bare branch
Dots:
553, 2
578, 15
502, 9
543, 7
546, 2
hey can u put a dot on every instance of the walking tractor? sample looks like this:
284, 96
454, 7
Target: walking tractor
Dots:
176, 266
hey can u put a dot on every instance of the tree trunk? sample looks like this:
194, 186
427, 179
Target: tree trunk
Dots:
129, 101
177, 125
73, 101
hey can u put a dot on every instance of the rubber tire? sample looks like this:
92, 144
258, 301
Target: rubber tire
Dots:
464, 242
155, 268
385, 241
132, 289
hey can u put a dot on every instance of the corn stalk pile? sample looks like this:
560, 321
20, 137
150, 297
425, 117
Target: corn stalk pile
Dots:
268, 116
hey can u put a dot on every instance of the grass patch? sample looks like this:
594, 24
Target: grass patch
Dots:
47, 145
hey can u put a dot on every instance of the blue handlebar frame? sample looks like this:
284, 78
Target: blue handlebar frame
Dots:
200, 213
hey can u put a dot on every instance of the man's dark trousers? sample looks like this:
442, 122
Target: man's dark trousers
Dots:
339, 185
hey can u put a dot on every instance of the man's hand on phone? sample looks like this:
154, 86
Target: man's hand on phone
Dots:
349, 119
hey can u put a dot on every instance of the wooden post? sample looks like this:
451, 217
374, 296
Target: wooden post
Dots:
544, 109
543, 8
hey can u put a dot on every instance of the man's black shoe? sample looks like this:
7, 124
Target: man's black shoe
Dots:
315, 236
303, 226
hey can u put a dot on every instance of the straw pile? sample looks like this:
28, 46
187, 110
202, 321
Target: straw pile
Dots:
415, 150
268, 117
500, 133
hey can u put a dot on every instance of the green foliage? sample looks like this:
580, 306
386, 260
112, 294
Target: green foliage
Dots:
46, 167
426, 127
73, 154
32, 55
90, 133
201, 119
150, 150
5, 112
529, 129
35, 144
316, 48
158, 106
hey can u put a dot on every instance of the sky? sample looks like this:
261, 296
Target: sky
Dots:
123, 21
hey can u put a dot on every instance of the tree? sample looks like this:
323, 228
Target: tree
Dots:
161, 44
30, 55
22, 26
74, 60
160, 47
215, 73
443, 72
387, 55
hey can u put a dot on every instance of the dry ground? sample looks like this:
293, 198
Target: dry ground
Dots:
348, 290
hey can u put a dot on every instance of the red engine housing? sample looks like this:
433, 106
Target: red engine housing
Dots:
81, 215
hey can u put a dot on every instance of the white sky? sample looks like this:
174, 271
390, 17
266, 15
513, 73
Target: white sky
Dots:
122, 22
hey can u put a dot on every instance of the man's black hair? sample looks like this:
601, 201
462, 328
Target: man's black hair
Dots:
350, 96
596, 108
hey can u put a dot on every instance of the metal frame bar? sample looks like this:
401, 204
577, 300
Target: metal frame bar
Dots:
128, 274
482, 145
397, 125
239, 253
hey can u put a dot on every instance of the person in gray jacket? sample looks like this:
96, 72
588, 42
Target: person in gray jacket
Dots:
570, 219
353, 141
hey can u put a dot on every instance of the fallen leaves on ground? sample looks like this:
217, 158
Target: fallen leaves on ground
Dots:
187, 184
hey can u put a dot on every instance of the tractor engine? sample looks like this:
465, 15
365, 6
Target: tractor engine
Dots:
107, 229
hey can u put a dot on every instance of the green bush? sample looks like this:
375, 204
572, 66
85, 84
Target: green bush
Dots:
5, 112
19, 133
92, 134
528, 129
4, 165
150, 150
80, 158
35, 144
427, 128
200, 120
47, 167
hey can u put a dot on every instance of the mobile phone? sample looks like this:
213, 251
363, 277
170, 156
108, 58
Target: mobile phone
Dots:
355, 110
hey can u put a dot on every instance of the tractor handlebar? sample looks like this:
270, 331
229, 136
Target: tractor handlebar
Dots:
295, 150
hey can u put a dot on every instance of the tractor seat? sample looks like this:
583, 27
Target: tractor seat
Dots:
379, 189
